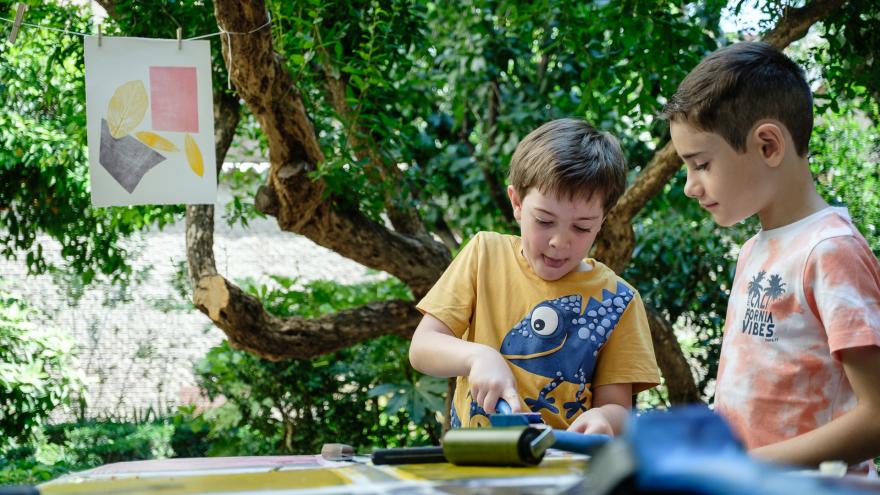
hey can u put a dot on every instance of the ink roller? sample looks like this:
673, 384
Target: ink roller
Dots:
509, 446
512, 446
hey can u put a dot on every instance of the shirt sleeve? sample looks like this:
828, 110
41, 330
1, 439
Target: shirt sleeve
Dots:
628, 356
842, 288
452, 298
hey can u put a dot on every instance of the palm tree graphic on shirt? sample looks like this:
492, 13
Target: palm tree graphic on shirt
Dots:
755, 289
760, 296
775, 289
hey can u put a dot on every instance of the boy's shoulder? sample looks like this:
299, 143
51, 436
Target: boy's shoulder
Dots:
492, 236
609, 279
806, 233
489, 240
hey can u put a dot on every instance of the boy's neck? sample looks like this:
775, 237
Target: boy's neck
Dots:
796, 198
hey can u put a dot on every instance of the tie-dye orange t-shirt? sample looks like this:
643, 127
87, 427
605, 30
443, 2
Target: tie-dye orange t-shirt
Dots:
801, 294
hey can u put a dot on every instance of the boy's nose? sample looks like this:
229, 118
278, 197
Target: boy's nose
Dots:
692, 188
559, 240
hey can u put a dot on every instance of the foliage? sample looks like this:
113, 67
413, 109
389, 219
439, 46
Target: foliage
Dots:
65, 447
43, 160
36, 373
96, 443
445, 97
365, 396
852, 67
845, 158
24, 466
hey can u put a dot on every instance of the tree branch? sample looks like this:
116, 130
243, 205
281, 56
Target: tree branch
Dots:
242, 317
616, 240
795, 22
109, 6
200, 218
496, 187
403, 217
300, 205
247, 325
303, 205
681, 388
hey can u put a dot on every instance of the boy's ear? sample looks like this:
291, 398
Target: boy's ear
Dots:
515, 202
771, 142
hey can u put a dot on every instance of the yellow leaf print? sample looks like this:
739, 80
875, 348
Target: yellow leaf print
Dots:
127, 108
156, 141
194, 155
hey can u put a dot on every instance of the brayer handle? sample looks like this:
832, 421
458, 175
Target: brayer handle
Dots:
580, 443
408, 455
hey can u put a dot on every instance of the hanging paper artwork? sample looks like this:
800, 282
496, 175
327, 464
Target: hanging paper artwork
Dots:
149, 112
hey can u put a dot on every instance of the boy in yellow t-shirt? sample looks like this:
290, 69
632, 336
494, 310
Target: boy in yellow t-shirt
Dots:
529, 319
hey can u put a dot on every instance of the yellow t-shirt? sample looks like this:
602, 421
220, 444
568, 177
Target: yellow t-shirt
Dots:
560, 338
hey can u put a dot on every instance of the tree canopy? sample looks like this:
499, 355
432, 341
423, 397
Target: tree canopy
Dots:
389, 126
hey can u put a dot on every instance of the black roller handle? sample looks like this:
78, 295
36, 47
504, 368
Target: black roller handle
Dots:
409, 455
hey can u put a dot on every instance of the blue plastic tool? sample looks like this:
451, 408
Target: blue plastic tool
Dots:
692, 450
506, 417
569, 441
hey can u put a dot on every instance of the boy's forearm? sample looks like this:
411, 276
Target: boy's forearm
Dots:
436, 351
852, 438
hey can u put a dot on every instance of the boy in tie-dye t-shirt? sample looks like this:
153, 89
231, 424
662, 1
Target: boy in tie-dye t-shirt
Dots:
800, 359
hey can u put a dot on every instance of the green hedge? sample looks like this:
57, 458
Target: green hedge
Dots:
66, 447
36, 373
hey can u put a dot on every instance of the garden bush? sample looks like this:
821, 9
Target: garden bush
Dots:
365, 396
57, 449
36, 373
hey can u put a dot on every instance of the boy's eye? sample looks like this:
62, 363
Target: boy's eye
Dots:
542, 222
701, 166
583, 229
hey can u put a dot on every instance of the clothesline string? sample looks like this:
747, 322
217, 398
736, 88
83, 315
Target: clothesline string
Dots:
48, 28
222, 32
77, 33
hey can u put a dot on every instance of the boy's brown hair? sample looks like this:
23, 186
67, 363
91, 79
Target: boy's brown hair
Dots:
738, 85
572, 159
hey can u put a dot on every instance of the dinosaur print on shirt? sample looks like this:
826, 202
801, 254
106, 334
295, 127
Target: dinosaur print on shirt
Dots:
557, 341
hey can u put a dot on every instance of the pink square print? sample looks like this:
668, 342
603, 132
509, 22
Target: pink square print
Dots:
174, 99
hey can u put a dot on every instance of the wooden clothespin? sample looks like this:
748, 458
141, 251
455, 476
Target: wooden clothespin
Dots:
19, 15
100, 34
180, 38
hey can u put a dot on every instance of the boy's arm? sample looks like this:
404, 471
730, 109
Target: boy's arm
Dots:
610, 411
436, 351
852, 437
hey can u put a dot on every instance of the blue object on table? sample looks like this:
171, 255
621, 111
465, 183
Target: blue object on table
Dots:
19, 490
693, 450
504, 416
569, 441
581, 443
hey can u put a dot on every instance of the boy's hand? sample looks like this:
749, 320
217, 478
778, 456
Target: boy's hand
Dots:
490, 379
592, 421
